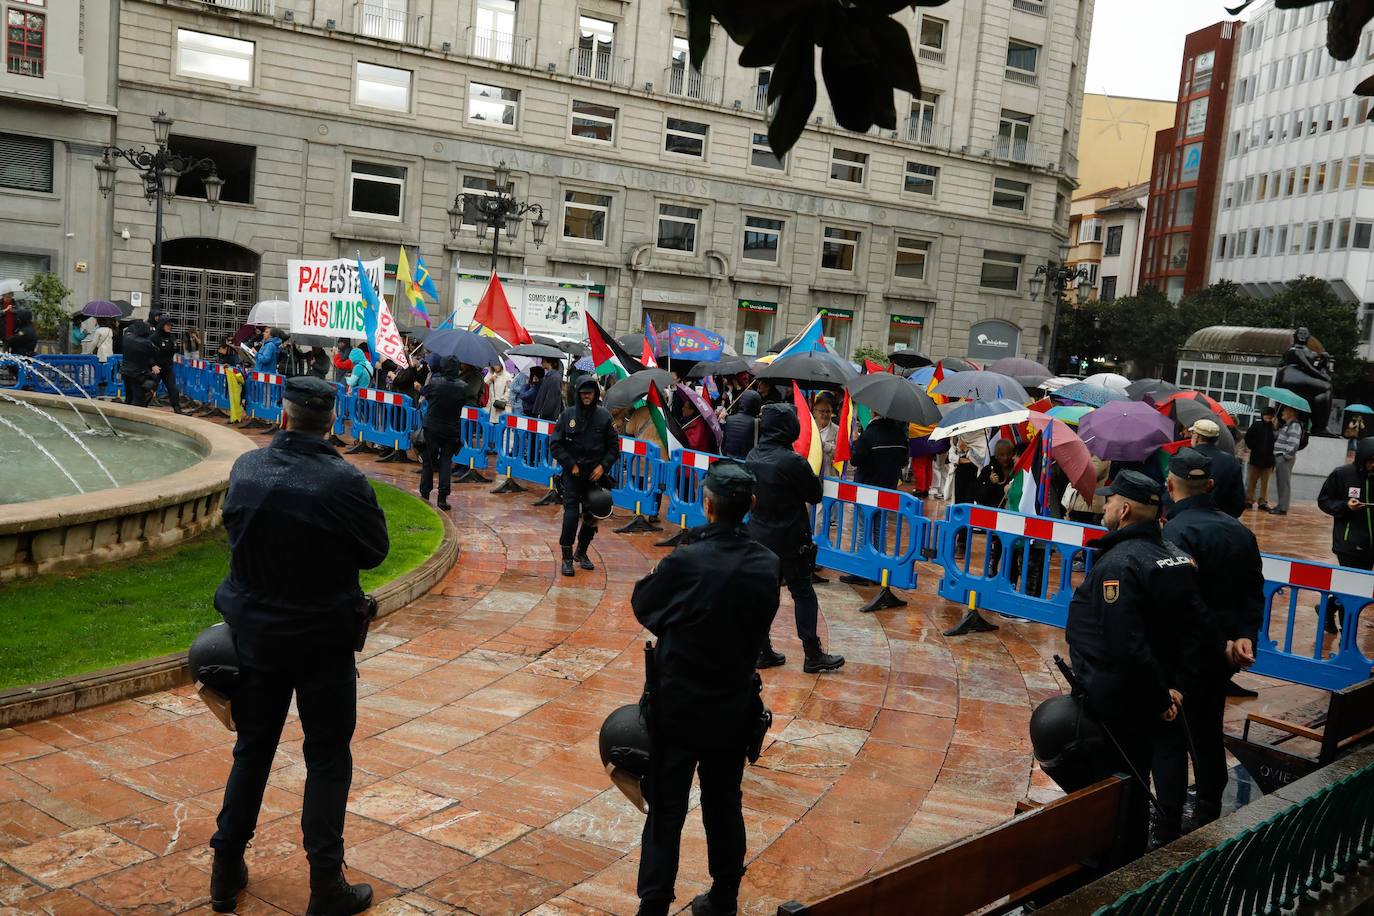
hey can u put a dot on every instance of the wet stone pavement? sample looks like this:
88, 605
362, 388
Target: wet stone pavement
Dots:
477, 786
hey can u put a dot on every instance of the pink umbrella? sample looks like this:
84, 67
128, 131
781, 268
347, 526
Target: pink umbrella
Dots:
708, 415
1069, 452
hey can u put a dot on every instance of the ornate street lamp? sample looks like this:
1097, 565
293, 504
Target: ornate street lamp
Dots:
1054, 281
159, 169
498, 211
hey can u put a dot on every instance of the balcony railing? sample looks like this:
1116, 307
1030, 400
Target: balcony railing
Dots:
24, 66
1021, 76
596, 65
687, 83
934, 55
257, 7
1029, 6
389, 24
502, 47
1013, 149
927, 133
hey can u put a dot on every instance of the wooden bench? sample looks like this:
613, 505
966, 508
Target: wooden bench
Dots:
1001, 867
1349, 721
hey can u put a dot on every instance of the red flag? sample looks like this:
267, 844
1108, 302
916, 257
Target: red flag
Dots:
494, 313
808, 444
870, 366
845, 423
647, 356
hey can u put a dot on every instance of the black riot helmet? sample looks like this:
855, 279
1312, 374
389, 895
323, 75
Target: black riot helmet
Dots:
625, 747
213, 659
597, 502
1069, 745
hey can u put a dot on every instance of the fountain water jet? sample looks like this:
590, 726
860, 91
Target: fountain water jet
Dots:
51, 419
30, 361
38, 445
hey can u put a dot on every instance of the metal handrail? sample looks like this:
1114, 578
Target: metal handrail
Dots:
595, 65
687, 83
24, 66
258, 7
376, 21
1021, 76
502, 47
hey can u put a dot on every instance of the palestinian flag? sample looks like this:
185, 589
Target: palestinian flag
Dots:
608, 357
1165, 454
808, 444
1022, 495
845, 423
668, 429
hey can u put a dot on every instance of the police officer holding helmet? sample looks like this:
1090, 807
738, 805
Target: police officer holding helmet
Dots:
710, 603
1231, 583
1132, 633
587, 446
301, 522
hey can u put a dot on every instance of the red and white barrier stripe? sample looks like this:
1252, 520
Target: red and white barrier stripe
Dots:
530, 424
861, 495
472, 413
1042, 529
630, 446
700, 461
1321, 578
382, 397
266, 378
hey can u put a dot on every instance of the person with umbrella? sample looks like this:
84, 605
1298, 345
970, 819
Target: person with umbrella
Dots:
1287, 444
1259, 467
23, 340
548, 400
445, 395
1228, 491
823, 409
741, 431
101, 340
527, 391
586, 445
880, 453
266, 360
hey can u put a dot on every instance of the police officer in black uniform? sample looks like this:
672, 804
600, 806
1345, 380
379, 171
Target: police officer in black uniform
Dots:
445, 396
1231, 582
782, 522
139, 364
165, 339
301, 522
1132, 635
710, 603
587, 446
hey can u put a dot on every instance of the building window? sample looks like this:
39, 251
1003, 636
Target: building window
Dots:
1001, 270
475, 186
1108, 289
754, 326
847, 166
381, 87
594, 122
584, 215
904, 332
684, 79
1202, 71
1022, 60
1090, 230
1185, 202
922, 178
835, 327
1281, 241
932, 41
26, 163
1343, 235
839, 248
493, 37
911, 258
1196, 121
234, 163
595, 44
1363, 232
1010, 195
1013, 136
24, 43
376, 191
761, 154
685, 138
677, 228
921, 125
492, 105
214, 57
1113, 241
762, 236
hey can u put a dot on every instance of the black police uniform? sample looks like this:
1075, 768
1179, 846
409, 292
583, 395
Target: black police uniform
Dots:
301, 523
1132, 635
140, 355
710, 603
583, 438
1228, 479
1231, 583
166, 344
445, 395
781, 521
880, 453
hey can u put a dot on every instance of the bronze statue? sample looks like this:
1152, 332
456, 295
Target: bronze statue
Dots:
1307, 372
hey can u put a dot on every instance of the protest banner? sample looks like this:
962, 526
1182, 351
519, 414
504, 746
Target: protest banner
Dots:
326, 297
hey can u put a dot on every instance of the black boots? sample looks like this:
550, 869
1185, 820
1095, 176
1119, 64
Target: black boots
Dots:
584, 540
706, 905
818, 661
567, 569
332, 895
768, 658
228, 876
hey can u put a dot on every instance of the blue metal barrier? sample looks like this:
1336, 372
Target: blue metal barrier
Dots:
72, 374
523, 450
474, 437
112, 379
871, 532
343, 409
1346, 591
384, 418
637, 483
190, 378
216, 388
262, 393
682, 477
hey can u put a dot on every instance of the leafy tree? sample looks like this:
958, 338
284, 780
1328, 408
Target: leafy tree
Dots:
870, 352
1144, 330
48, 301
1308, 302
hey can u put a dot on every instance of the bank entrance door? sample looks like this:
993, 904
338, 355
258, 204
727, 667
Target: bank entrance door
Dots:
214, 302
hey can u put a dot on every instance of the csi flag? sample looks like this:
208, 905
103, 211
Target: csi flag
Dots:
686, 341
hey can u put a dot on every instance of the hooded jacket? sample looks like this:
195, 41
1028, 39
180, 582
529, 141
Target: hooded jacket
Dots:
740, 434
548, 401
24, 340
585, 436
140, 353
781, 520
880, 453
266, 360
445, 397
361, 374
1352, 532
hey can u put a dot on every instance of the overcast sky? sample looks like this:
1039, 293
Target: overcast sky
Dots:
1137, 45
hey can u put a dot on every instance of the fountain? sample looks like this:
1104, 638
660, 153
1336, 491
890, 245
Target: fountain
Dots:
71, 435
41, 367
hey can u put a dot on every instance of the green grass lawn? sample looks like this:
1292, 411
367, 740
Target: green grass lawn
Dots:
58, 625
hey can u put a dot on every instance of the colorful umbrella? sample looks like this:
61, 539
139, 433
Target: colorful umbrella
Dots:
922, 376
976, 415
100, 308
1068, 451
953, 364
1071, 414
983, 385
708, 415
1285, 397
1055, 383
1125, 431
1093, 395
1358, 408
1166, 405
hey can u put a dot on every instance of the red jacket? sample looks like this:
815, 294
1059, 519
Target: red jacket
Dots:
342, 362
698, 436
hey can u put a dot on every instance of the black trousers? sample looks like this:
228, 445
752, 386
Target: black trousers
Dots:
327, 699
438, 451
1133, 758
1202, 717
721, 771
168, 378
574, 492
796, 575
134, 394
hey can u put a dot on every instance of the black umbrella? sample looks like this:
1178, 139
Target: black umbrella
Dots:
910, 359
542, 351
816, 367
126, 307
1138, 389
465, 346
730, 365
314, 340
779, 345
956, 364
1031, 381
1186, 413
893, 396
624, 393
1017, 366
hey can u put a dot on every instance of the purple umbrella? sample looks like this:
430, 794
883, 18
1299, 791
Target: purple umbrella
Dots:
101, 308
1125, 431
708, 415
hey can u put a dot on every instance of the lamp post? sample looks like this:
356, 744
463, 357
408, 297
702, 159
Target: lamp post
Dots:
1054, 281
498, 211
160, 168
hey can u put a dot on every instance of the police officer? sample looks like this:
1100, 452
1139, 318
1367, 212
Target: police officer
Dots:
165, 340
1132, 636
1228, 479
710, 603
781, 522
586, 445
1231, 583
302, 523
445, 396
139, 364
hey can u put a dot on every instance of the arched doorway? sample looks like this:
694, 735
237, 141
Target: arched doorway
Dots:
209, 285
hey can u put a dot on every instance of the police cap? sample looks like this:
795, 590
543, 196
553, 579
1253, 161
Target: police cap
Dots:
1133, 485
730, 479
308, 391
1190, 464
